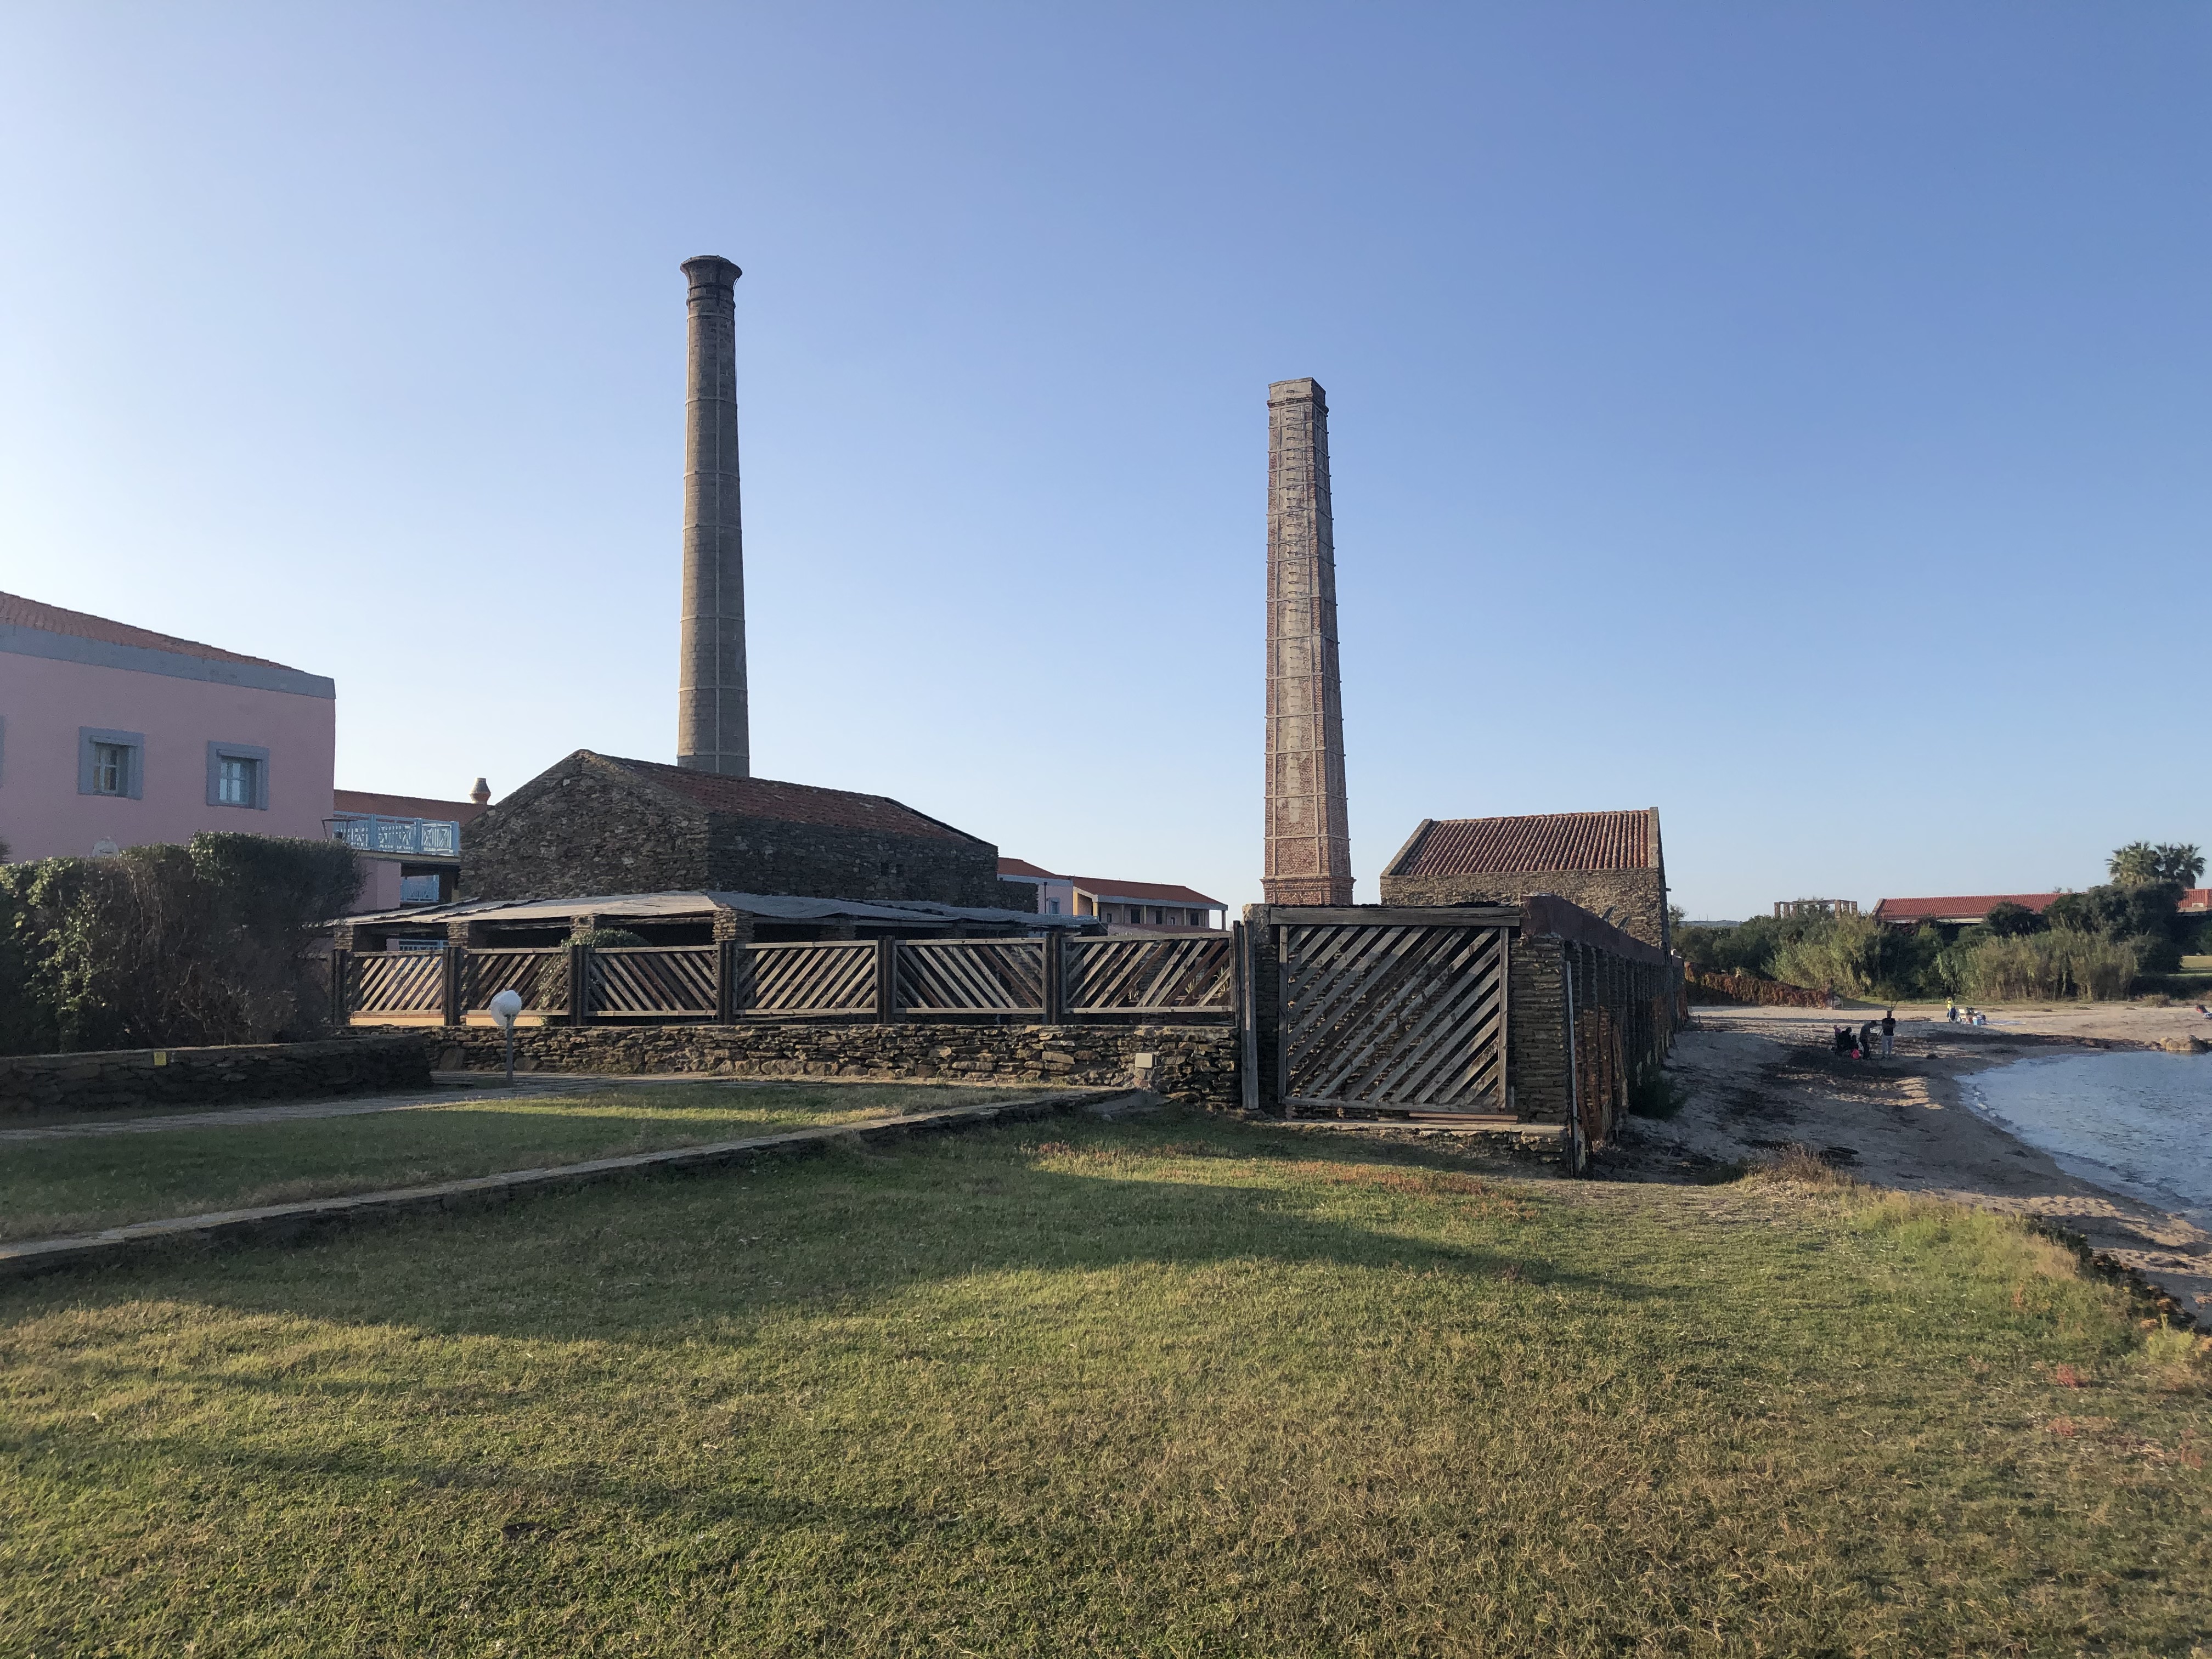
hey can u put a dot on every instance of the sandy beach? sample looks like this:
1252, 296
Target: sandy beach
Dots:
1760, 1080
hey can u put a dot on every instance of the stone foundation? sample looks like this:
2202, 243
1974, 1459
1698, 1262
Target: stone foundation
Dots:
127, 1077
1195, 1065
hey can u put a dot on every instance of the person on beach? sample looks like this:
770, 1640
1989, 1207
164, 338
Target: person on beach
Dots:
1951, 1011
1866, 1040
1842, 1039
1889, 1033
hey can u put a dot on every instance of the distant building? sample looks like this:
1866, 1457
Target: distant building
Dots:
598, 824
112, 736
1608, 863
1786, 908
411, 845
1152, 907
1965, 910
1956, 910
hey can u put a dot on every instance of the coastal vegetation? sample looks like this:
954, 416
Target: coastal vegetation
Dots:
1174, 1386
167, 947
2096, 945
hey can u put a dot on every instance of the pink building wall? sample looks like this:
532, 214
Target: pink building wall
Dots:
52, 686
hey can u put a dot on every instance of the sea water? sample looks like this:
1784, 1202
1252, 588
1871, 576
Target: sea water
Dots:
2136, 1122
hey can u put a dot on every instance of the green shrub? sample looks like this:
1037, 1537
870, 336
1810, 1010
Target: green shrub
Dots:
207, 943
607, 939
2061, 962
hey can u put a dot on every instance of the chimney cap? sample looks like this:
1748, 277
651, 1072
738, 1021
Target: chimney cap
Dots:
710, 269
481, 793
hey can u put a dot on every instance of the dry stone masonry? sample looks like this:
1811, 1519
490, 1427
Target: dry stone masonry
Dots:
128, 1078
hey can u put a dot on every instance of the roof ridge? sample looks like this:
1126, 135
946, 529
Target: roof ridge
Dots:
20, 611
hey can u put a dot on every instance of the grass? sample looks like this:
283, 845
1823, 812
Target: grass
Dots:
53, 1187
1173, 1389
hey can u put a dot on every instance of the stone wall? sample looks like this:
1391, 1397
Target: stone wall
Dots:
770, 855
1536, 1043
1195, 1065
576, 831
1632, 900
129, 1078
585, 826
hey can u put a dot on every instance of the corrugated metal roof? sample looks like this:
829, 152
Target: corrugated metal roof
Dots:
16, 612
1142, 892
1526, 845
782, 907
791, 803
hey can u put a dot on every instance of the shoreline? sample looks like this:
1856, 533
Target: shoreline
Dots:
1759, 1079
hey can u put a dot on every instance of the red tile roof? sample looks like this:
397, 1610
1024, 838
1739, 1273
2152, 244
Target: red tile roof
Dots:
1023, 867
403, 807
791, 803
2196, 902
16, 612
1970, 907
1527, 845
1142, 892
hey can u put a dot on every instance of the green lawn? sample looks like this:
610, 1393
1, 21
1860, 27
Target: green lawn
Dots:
1171, 1388
49, 1187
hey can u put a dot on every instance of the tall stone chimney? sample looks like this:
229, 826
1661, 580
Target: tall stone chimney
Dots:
712, 732
1309, 842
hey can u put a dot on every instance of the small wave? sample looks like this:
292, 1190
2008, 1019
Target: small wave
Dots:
2139, 1122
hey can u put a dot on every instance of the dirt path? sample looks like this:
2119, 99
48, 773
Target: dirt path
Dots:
1762, 1079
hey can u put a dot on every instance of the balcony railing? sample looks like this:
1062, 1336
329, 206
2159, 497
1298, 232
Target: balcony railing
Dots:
369, 832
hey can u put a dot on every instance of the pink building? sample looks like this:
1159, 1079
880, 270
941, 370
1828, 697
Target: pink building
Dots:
112, 736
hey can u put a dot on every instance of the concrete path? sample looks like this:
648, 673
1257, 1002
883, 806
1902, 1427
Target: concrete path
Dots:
355, 1107
285, 1222
452, 1090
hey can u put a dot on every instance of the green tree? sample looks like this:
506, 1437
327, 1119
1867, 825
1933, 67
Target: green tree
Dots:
2136, 864
2179, 863
2010, 921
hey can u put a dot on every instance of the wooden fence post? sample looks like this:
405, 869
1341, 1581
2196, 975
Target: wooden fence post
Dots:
1055, 976
727, 962
888, 1011
580, 985
454, 964
341, 988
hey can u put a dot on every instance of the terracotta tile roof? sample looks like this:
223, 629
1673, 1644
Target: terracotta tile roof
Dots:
403, 807
1520, 846
1023, 867
791, 803
1142, 892
2197, 902
16, 612
1967, 907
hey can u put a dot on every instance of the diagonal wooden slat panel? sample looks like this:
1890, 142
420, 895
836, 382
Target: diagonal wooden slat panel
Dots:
539, 977
652, 979
1394, 1015
832, 977
972, 976
1177, 972
398, 982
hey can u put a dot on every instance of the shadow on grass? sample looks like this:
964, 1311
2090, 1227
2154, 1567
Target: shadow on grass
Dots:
666, 1259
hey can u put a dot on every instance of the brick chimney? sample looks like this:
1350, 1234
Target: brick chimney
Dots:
1308, 843
712, 722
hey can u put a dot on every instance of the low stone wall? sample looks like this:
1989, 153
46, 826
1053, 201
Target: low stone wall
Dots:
1195, 1065
209, 1076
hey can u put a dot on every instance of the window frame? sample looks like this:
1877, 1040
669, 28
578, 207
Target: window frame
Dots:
89, 740
217, 753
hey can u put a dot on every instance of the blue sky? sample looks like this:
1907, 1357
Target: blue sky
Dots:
1793, 416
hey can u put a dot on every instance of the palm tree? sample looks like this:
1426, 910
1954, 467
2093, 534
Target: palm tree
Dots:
2136, 864
2181, 865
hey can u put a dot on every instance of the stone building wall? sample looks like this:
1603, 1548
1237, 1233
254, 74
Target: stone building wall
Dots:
1195, 1065
1536, 1043
576, 831
767, 855
130, 1077
1635, 901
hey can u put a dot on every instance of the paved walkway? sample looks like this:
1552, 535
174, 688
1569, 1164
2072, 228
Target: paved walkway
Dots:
233, 1116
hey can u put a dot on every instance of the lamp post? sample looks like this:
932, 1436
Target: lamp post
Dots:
504, 1007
